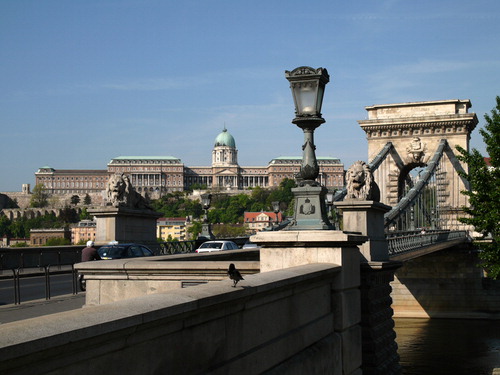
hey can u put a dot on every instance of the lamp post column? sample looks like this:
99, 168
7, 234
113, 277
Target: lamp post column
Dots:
308, 86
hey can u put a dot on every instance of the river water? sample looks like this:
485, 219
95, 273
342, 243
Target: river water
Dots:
448, 346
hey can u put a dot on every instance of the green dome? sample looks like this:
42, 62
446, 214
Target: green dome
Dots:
225, 139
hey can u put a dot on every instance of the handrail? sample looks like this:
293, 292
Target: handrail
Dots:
38, 257
410, 242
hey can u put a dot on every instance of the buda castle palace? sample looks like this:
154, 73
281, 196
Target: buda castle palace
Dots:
155, 176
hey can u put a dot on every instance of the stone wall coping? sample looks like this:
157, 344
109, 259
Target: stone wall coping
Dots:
30, 336
322, 238
157, 266
127, 211
220, 259
362, 205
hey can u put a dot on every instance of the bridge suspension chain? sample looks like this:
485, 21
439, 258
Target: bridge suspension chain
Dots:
420, 198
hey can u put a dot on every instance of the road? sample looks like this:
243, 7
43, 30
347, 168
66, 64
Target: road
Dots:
33, 302
33, 287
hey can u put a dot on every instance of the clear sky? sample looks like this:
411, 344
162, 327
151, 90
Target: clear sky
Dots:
85, 81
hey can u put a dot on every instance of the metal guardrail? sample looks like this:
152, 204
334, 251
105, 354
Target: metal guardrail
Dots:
400, 243
21, 262
35, 257
18, 273
185, 247
178, 247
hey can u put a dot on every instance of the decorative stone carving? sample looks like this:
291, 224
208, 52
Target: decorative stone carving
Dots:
121, 193
360, 183
307, 208
416, 150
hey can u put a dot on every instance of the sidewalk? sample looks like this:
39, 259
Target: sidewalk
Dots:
32, 309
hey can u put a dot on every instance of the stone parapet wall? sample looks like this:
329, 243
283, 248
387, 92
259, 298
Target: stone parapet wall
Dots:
56, 201
278, 322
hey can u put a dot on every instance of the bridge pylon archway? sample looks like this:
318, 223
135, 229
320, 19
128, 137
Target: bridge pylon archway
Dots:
420, 134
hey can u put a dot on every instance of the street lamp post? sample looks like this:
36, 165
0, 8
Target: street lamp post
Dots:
308, 86
276, 209
206, 229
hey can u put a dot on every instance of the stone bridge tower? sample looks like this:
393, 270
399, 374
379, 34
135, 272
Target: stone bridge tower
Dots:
415, 131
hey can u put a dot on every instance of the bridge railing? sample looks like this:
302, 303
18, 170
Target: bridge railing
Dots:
178, 247
403, 242
184, 247
38, 257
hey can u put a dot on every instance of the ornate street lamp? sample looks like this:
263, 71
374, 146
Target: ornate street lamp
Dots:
276, 209
308, 87
206, 200
206, 229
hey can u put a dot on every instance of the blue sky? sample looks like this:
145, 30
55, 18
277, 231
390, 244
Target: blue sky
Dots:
83, 82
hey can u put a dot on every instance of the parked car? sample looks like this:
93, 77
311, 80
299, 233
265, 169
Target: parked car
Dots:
209, 246
250, 245
124, 250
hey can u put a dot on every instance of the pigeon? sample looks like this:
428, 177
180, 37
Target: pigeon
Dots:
234, 274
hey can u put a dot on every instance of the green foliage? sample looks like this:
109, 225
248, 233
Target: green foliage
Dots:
75, 199
58, 242
5, 224
84, 214
87, 200
171, 239
39, 197
195, 229
225, 208
228, 231
68, 215
177, 205
20, 244
20, 228
484, 192
198, 187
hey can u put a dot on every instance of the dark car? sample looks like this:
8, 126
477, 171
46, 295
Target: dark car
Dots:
124, 250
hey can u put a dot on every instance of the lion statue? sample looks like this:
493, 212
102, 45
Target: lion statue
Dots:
360, 183
121, 193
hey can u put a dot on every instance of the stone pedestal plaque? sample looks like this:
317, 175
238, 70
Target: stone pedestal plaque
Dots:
310, 209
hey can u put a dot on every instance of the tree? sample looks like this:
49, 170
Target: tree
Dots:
484, 192
40, 197
84, 215
87, 200
5, 224
75, 199
195, 229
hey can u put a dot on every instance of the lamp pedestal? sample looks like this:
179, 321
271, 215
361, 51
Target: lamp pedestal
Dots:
206, 232
310, 209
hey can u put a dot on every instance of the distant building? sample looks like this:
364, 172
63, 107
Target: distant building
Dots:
69, 181
39, 237
8, 242
83, 231
175, 227
257, 221
157, 175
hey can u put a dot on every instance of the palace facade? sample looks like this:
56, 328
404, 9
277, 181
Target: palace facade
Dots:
158, 175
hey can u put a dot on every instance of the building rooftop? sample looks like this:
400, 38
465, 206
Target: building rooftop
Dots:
225, 139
